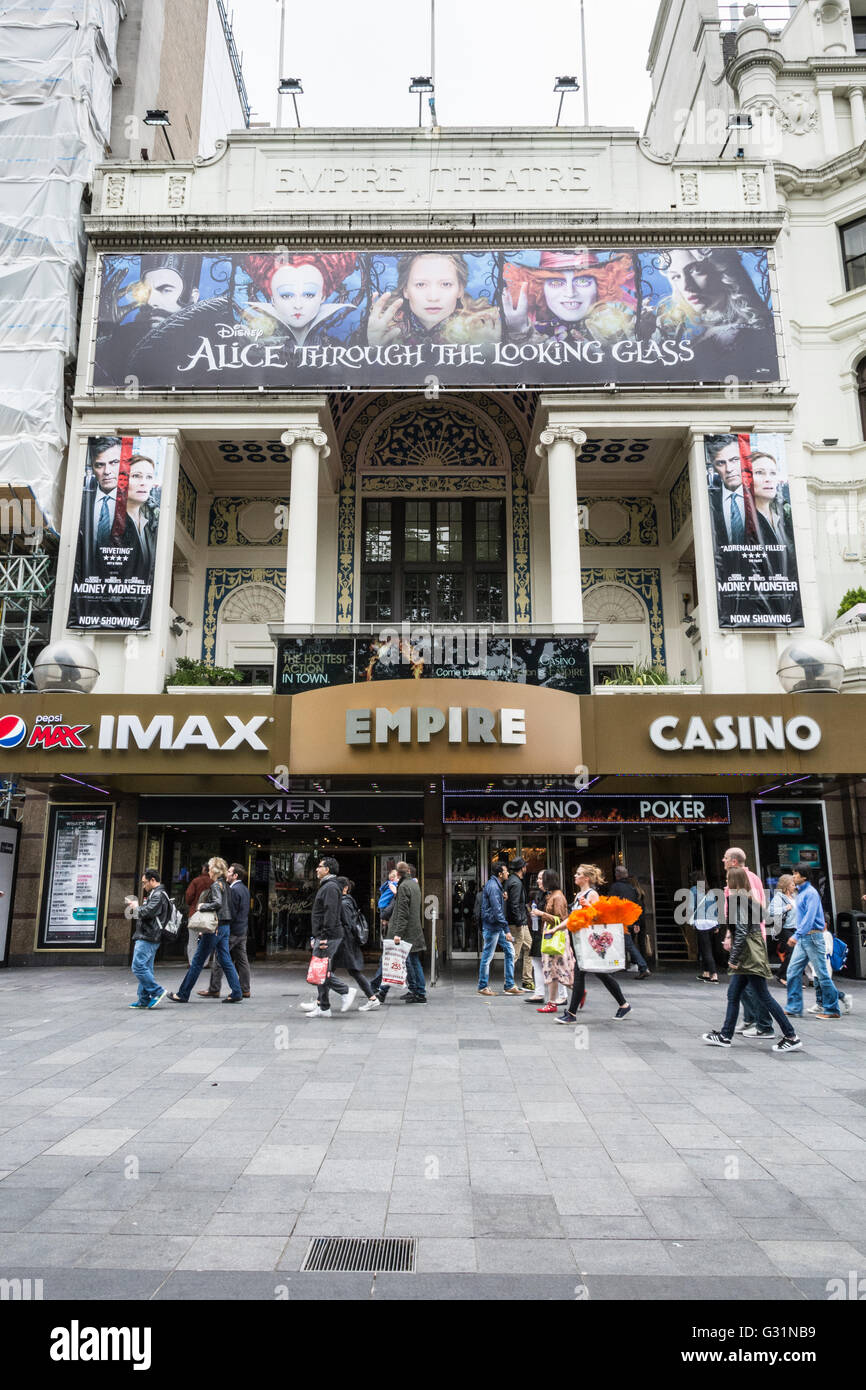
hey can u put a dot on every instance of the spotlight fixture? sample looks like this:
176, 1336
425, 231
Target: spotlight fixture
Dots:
160, 118
564, 85
422, 85
738, 121
290, 87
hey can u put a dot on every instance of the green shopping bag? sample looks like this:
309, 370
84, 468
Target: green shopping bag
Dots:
554, 939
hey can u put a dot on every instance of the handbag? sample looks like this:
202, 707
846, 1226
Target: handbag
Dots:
600, 948
554, 939
204, 921
318, 971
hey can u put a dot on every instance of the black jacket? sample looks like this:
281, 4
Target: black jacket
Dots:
349, 954
217, 894
327, 910
152, 915
515, 901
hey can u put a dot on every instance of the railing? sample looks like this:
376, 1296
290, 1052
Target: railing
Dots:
235, 60
775, 15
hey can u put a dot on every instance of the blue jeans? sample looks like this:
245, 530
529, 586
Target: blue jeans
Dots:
754, 1009
143, 955
811, 948
207, 942
634, 955
492, 938
415, 981
737, 988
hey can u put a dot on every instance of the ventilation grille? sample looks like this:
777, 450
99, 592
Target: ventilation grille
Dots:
352, 1255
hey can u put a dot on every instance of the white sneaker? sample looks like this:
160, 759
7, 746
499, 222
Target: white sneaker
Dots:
348, 1000
847, 1004
814, 1009
309, 1004
319, 1013
374, 1002
748, 1030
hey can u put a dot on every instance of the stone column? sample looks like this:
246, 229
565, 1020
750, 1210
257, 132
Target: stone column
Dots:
858, 116
307, 446
560, 444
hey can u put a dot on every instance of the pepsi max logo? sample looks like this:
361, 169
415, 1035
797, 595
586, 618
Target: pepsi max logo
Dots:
13, 730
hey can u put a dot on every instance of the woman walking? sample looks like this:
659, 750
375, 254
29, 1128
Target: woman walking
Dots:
748, 963
558, 971
214, 899
782, 920
587, 877
704, 917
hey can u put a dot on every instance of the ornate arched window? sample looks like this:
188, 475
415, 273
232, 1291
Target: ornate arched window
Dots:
861, 392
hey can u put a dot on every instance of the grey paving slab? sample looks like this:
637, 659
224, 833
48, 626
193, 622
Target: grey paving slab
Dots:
811, 1258
709, 1289
697, 1218
498, 1216
92, 1285
524, 1256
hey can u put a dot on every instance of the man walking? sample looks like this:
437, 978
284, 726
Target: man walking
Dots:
192, 895
808, 943
624, 888
405, 924
517, 917
150, 917
327, 936
494, 928
239, 906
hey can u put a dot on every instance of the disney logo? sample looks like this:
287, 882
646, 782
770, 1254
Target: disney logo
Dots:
236, 330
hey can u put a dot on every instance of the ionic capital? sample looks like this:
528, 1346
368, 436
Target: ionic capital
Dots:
555, 434
308, 434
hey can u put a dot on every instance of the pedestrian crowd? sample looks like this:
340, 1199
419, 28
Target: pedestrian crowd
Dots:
532, 928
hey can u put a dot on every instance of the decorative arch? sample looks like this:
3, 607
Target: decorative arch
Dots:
422, 446
614, 603
640, 585
223, 584
254, 603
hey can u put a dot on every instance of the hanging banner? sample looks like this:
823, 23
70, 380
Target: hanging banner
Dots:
352, 320
757, 580
75, 885
564, 807
112, 587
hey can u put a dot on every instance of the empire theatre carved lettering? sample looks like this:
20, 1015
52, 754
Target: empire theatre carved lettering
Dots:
359, 180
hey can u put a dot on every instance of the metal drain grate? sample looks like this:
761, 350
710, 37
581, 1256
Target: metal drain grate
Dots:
352, 1255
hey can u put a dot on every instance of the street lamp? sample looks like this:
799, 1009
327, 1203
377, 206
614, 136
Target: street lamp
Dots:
563, 85
291, 87
421, 85
160, 118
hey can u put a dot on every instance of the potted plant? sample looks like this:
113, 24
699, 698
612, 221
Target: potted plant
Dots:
848, 635
854, 604
190, 676
645, 677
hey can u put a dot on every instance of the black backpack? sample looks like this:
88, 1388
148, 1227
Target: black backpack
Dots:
358, 924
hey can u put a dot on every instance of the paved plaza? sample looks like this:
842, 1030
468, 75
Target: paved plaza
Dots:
193, 1152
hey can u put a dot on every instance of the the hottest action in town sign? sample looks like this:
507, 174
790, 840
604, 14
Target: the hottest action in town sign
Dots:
368, 319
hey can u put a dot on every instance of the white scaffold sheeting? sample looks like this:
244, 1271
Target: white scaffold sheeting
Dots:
42, 219
38, 303
56, 78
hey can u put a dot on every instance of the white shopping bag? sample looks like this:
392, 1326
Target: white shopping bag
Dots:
600, 948
394, 962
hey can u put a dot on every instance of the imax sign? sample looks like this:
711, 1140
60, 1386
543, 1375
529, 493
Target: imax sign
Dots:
123, 731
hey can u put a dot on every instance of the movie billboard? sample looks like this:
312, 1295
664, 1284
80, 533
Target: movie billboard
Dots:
757, 579
357, 320
112, 586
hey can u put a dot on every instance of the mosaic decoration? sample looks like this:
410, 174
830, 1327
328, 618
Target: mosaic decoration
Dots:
223, 528
219, 584
615, 451
187, 503
680, 502
432, 437
253, 451
438, 437
641, 523
433, 486
646, 583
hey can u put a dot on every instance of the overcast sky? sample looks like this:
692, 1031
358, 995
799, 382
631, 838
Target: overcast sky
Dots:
496, 60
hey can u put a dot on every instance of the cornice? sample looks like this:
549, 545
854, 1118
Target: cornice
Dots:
846, 168
407, 230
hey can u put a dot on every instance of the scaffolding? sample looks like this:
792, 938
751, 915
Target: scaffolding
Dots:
26, 590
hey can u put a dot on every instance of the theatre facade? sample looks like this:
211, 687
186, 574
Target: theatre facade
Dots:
437, 440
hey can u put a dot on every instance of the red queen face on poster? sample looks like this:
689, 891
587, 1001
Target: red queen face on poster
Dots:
112, 588
757, 579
